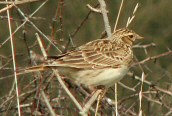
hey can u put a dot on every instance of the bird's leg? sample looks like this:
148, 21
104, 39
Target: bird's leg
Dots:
90, 92
100, 97
96, 95
90, 102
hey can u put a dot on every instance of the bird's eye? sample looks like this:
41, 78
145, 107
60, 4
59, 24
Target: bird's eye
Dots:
131, 36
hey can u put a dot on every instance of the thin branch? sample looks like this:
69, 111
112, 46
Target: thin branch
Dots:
27, 19
6, 40
81, 24
105, 17
129, 88
6, 8
116, 104
60, 79
90, 102
48, 103
14, 63
144, 46
11, 4
153, 57
67, 90
140, 95
116, 100
151, 85
18, 2
41, 46
119, 12
94, 9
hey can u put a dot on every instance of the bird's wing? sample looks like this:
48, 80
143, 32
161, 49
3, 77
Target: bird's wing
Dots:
100, 53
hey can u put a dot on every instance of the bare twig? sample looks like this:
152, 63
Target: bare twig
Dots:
14, 63
18, 2
151, 85
119, 12
116, 99
144, 46
27, 19
11, 4
168, 113
153, 57
60, 80
6, 8
105, 18
129, 88
90, 102
140, 95
19, 27
94, 9
67, 90
82, 23
48, 103
41, 46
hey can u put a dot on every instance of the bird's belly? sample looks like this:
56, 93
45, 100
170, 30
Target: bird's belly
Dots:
105, 77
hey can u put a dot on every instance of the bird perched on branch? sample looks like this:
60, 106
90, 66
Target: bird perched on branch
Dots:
101, 62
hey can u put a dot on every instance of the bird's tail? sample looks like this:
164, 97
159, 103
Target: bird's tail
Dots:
29, 70
40, 67
33, 69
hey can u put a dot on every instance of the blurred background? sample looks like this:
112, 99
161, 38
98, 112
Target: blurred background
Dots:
59, 20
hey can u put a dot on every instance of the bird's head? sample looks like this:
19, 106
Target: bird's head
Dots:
125, 35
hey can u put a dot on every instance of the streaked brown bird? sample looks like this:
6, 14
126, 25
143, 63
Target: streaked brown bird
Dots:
101, 62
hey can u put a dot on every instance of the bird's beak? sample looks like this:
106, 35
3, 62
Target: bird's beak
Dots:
139, 37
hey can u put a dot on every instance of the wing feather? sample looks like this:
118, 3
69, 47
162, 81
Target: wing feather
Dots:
96, 54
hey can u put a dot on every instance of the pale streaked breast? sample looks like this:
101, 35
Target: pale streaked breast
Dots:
106, 77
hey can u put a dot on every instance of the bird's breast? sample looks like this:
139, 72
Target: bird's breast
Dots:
106, 77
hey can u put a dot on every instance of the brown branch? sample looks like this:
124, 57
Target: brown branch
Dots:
153, 57
151, 85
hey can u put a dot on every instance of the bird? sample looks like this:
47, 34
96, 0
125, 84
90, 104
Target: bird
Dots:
101, 62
